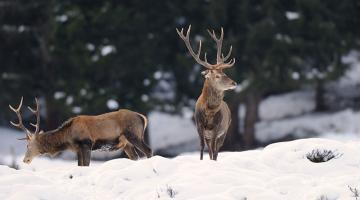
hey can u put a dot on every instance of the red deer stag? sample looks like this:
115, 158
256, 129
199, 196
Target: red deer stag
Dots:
122, 129
212, 114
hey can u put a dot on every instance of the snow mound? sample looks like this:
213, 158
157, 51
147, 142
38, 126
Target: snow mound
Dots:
281, 171
342, 123
287, 105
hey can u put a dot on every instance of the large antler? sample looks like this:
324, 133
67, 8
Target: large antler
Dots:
186, 39
37, 114
20, 124
220, 59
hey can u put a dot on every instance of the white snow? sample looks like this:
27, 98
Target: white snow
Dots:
352, 75
61, 18
287, 105
76, 109
339, 123
59, 95
10, 143
292, 15
280, 171
106, 50
291, 113
112, 104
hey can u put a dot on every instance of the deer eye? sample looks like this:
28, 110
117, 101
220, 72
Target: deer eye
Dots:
217, 76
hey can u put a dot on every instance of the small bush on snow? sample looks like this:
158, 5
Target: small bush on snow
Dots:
324, 197
355, 192
169, 191
324, 155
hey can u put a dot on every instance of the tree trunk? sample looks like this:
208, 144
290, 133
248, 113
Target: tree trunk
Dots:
252, 101
320, 104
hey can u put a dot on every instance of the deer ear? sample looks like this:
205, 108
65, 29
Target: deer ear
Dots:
206, 73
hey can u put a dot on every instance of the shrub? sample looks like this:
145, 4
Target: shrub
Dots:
355, 192
170, 191
318, 156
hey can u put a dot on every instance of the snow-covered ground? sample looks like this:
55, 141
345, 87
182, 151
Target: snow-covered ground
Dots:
280, 171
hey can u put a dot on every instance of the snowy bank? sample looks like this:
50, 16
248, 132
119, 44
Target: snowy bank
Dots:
342, 124
279, 171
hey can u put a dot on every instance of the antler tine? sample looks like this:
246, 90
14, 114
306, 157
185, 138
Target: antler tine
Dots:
228, 64
36, 112
218, 41
228, 55
17, 110
19, 106
220, 59
18, 114
196, 56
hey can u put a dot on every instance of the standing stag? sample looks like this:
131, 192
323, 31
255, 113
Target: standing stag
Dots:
212, 114
122, 129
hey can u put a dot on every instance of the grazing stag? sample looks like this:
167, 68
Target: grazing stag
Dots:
212, 114
122, 129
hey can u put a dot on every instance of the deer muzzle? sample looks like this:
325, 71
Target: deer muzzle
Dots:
233, 85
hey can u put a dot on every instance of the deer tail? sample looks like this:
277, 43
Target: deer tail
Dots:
145, 121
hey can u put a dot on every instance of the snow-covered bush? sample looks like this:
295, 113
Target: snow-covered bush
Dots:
318, 155
324, 197
355, 192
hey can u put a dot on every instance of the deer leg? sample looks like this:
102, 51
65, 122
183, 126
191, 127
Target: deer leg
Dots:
202, 145
145, 149
85, 152
86, 155
80, 158
208, 143
138, 143
213, 148
139, 153
218, 144
216, 150
130, 152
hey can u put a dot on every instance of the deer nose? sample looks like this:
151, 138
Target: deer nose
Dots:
26, 160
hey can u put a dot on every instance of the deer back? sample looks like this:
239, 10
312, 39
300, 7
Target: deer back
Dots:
107, 126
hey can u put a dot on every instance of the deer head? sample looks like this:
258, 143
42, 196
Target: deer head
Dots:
32, 146
214, 72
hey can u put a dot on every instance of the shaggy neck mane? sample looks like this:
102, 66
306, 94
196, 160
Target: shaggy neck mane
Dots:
54, 141
212, 96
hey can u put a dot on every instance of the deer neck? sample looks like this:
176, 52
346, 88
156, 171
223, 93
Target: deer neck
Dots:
52, 142
212, 97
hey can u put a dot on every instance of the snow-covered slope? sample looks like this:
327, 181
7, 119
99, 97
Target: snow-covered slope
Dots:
281, 171
287, 105
343, 123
